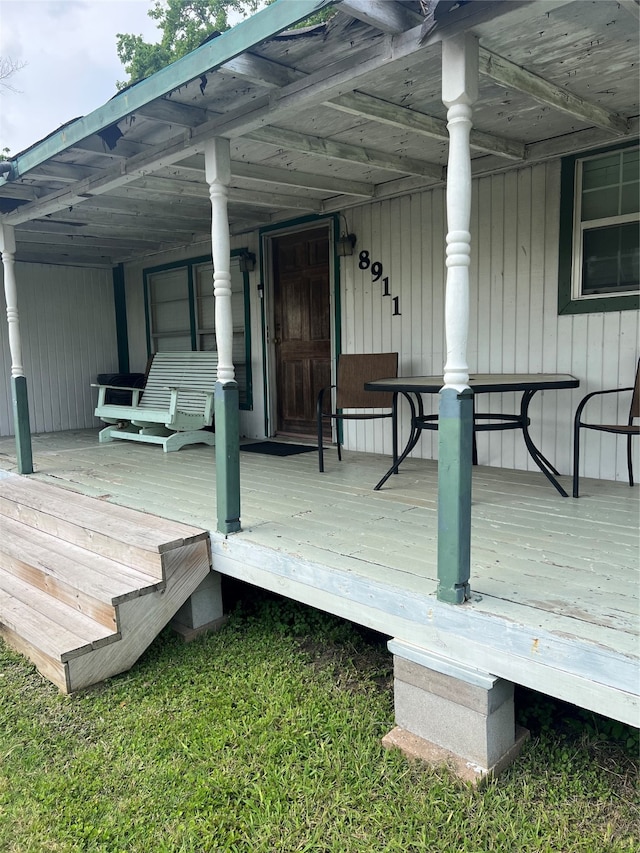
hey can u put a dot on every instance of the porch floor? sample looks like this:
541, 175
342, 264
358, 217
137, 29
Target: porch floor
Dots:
555, 580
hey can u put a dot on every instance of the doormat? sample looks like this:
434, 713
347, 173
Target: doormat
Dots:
277, 448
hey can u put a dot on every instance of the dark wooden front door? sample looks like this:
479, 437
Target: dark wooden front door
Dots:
302, 327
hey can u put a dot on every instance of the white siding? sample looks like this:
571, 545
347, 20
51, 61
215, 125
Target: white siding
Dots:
514, 322
67, 322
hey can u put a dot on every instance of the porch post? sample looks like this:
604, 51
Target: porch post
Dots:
455, 424
19, 396
218, 175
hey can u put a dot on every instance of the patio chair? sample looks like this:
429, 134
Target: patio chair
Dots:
353, 371
629, 429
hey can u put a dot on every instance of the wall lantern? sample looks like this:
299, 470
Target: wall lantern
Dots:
346, 241
345, 245
247, 261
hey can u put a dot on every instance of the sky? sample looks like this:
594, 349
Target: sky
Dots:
69, 47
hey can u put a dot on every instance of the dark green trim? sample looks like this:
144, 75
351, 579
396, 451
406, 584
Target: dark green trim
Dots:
192, 307
338, 309
263, 338
455, 439
189, 264
120, 306
566, 304
247, 339
147, 320
19, 399
293, 223
227, 457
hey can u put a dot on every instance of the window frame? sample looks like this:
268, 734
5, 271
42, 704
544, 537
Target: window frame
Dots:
568, 302
190, 264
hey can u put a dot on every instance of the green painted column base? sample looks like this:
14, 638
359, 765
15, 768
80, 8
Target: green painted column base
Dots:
227, 415
20, 402
455, 441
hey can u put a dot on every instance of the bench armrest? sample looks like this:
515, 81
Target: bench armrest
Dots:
187, 389
116, 387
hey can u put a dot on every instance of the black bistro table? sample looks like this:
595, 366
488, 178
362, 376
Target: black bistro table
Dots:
413, 387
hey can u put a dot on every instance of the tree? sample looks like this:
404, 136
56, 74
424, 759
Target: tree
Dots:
184, 24
9, 67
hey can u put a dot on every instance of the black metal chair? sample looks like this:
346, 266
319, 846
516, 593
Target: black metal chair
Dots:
629, 429
353, 371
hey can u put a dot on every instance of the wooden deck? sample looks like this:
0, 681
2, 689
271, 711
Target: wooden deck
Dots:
555, 580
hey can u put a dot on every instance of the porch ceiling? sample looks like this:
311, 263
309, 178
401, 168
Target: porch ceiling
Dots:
328, 117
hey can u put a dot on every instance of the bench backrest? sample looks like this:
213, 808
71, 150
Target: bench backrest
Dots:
193, 370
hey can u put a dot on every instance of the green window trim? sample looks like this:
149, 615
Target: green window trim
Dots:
190, 265
567, 304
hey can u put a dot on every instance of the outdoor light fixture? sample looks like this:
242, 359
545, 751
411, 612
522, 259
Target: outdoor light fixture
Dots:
247, 262
346, 241
345, 245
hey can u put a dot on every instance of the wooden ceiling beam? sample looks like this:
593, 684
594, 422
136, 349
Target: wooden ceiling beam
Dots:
384, 15
168, 187
631, 6
267, 199
261, 71
384, 112
178, 209
512, 76
23, 192
62, 238
302, 180
343, 151
173, 112
62, 172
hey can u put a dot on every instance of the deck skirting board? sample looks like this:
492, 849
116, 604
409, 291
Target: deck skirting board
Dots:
569, 668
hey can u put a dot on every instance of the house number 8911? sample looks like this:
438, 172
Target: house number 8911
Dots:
377, 270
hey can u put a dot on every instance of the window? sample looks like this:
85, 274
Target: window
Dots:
600, 231
180, 311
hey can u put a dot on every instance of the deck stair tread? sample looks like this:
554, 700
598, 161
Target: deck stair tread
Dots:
130, 536
132, 524
106, 579
87, 581
54, 627
86, 585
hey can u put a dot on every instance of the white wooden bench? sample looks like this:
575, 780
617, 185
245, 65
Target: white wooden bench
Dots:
172, 409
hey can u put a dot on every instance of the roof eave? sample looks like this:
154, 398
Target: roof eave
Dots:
247, 34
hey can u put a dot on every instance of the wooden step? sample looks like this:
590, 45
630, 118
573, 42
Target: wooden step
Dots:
88, 582
130, 537
86, 586
141, 620
46, 630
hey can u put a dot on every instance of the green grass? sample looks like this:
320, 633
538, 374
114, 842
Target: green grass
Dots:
266, 737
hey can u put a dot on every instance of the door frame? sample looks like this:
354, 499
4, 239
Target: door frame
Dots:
266, 237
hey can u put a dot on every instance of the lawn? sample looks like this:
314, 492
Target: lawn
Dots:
265, 737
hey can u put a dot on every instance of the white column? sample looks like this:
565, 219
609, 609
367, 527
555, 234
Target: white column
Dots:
217, 160
8, 249
459, 92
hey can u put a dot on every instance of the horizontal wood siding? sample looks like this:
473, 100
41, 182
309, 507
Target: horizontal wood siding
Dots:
514, 322
67, 322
